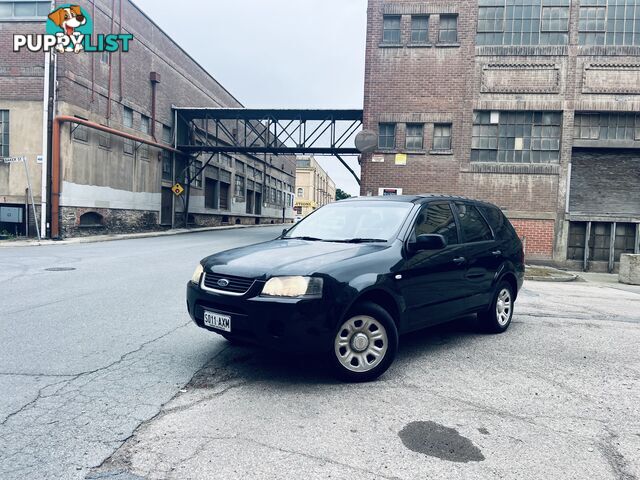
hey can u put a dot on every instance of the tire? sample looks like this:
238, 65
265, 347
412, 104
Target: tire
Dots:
365, 343
498, 317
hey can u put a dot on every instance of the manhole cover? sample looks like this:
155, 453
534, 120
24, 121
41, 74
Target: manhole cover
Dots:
59, 269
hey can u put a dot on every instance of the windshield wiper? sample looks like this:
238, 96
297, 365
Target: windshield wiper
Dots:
311, 239
360, 240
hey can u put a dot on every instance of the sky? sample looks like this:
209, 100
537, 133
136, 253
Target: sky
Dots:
276, 53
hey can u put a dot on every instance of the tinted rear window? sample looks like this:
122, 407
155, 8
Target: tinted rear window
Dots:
498, 222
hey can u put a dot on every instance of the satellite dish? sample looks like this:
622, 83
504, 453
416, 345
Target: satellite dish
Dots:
366, 141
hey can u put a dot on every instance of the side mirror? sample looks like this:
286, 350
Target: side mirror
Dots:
284, 232
428, 242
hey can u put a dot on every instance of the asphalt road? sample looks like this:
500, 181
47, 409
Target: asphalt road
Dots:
86, 355
101, 377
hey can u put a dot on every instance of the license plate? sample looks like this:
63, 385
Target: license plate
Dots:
217, 320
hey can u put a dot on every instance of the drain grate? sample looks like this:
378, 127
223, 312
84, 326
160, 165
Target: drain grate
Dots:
59, 269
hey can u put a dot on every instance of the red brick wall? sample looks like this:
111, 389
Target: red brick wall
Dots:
539, 235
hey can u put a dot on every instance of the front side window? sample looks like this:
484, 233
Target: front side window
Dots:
391, 29
387, 135
442, 136
359, 221
415, 136
4, 133
448, 29
437, 219
419, 29
474, 228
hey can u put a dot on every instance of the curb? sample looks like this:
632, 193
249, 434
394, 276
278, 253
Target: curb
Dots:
563, 278
132, 236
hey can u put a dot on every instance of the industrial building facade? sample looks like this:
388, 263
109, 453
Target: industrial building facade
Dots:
108, 183
533, 105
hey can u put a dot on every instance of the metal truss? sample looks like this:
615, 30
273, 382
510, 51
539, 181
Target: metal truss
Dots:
268, 131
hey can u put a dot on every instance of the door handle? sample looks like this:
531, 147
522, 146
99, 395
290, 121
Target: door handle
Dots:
459, 260
497, 253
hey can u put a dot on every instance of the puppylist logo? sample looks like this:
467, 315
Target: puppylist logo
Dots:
70, 29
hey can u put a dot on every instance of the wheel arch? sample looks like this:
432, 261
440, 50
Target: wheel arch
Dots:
511, 279
380, 297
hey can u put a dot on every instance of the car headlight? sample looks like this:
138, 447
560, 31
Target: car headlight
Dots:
197, 274
293, 287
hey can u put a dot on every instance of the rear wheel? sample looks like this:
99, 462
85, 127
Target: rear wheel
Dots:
498, 317
365, 344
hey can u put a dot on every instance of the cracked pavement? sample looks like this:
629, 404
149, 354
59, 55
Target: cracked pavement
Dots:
557, 396
102, 376
88, 355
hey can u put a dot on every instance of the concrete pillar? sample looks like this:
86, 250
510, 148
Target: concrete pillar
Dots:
629, 269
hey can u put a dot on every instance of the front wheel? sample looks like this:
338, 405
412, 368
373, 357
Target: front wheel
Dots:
498, 317
365, 344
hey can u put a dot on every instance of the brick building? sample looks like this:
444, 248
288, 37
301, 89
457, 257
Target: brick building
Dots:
111, 184
314, 186
533, 105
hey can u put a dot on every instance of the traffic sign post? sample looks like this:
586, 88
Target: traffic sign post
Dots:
177, 189
33, 204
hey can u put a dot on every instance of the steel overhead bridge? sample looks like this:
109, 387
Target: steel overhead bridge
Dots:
268, 131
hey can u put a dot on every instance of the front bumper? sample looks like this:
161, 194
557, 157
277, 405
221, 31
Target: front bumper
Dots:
295, 325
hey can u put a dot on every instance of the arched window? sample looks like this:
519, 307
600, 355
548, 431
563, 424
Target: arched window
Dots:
91, 219
300, 192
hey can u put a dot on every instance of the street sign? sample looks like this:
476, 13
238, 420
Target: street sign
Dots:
177, 189
13, 159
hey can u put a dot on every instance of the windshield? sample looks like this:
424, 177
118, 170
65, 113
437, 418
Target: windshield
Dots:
365, 221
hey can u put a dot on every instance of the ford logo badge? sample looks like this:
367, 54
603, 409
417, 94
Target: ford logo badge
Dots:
223, 282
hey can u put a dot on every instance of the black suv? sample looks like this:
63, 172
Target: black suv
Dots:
354, 275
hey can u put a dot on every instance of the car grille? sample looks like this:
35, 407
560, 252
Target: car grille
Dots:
237, 285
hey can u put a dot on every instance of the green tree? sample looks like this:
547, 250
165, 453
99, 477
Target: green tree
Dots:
341, 195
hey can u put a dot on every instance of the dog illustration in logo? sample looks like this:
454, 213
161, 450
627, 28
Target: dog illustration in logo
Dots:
68, 19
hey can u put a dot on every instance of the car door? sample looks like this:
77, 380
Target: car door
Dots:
430, 280
482, 255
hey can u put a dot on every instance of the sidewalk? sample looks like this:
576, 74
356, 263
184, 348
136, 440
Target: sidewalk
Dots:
606, 280
129, 236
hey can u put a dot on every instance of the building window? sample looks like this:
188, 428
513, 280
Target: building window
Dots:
239, 188
127, 117
448, 32
391, 29
166, 135
105, 57
240, 166
442, 136
196, 174
415, 135
24, 10
167, 166
4, 133
419, 29
516, 137
523, 22
606, 126
300, 192
104, 139
609, 22
387, 135
80, 132
144, 128
91, 219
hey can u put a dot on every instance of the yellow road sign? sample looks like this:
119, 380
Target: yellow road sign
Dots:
177, 189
